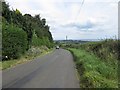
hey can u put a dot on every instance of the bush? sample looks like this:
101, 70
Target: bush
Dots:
107, 50
44, 41
14, 41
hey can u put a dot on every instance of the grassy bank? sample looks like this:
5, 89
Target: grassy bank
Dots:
31, 54
93, 71
107, 50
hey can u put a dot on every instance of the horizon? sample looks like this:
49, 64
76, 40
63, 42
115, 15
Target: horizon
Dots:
85, 39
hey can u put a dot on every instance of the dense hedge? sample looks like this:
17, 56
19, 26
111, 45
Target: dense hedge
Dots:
21, 32
14, 41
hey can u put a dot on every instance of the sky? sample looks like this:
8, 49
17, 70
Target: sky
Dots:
76, 19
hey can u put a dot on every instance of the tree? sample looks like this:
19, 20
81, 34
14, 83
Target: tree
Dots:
43, 22
28, 28
6, 11
20, 32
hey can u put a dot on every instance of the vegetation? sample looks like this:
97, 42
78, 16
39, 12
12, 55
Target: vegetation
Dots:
21, 32
106, 50
32, 53
28, 36
97, 63
14, 41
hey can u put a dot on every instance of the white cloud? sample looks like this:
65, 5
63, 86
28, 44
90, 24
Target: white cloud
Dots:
62, 12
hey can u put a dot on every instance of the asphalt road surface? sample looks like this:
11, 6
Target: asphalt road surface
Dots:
54, 70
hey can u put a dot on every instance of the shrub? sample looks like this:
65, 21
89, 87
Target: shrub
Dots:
14, 41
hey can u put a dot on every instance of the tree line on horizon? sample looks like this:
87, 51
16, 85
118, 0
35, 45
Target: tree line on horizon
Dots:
20, 32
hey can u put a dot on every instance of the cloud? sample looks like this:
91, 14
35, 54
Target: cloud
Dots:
81, 26
97, 18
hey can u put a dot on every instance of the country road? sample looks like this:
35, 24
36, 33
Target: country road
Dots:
54, 70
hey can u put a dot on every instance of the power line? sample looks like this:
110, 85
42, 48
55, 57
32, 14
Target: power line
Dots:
78, 13
80, 9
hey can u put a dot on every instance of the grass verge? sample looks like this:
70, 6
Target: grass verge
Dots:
30, 55
94, 73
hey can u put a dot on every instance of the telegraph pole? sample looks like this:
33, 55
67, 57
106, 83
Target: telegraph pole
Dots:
66, 38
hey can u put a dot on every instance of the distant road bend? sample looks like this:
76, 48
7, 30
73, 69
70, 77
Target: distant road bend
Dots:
54, 70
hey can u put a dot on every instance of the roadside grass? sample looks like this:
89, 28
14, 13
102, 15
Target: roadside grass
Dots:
0, 65
93, 71
31, 54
